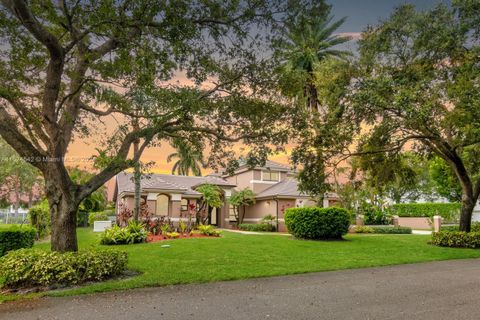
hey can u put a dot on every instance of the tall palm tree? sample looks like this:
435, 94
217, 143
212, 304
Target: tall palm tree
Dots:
189, 159
308, 42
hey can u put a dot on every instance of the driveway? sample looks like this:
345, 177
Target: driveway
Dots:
436, 290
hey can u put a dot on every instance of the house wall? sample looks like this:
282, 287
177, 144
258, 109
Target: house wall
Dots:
261, 208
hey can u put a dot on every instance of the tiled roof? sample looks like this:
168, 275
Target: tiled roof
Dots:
181, 184
285, 188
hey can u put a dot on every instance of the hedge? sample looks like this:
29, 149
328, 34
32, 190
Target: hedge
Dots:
456, 239
16, 237
267, 227
448, 211
28, 268
317, 223
383, 230
475, 227
97, 216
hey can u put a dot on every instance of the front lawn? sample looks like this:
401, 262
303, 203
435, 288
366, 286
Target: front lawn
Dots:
238, 256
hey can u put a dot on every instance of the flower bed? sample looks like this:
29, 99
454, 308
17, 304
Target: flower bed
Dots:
155, 238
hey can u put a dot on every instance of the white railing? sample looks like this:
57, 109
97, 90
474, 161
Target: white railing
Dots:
11, 215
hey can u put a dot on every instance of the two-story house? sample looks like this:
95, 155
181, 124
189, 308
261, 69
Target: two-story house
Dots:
274, 185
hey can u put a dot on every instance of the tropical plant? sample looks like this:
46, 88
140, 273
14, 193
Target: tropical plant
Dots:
241, 199
211, 198
134, 232
190, 158
209, 230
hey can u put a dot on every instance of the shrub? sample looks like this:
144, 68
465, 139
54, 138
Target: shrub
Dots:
97, 216
364, 229
373, 215
29, 267
134, 232
208, 230
16, 237
475, 227
448, 211
392, 230
267, 227
317, 223
173, 235
40, 218
456, 239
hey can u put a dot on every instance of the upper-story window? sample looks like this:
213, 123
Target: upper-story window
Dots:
270, 176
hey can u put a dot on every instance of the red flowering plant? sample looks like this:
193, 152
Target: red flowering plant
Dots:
124, 214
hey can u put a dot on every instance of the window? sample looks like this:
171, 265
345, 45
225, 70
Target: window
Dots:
184, 206
270, 176
162, 205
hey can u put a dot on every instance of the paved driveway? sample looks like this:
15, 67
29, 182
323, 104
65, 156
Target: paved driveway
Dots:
436, 290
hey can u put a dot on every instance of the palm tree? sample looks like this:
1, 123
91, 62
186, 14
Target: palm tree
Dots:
308, 42
189, 159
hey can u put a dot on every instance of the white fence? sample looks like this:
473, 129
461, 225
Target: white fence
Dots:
10, 215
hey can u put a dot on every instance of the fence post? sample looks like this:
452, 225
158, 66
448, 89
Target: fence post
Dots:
359, 220
395, 221
437, 223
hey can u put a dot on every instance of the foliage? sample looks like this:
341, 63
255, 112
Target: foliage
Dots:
209, 230
413, 88
373, 215
31, 268
65, 68
475, 227
190, 158
40, 218
134, 232
211, 198
258, 227
456, 239
364, 229
97, 216
444, 181
239, 199
317, 223
16, 237
124, 215
173, 235
448, 211
392, 230
17, 176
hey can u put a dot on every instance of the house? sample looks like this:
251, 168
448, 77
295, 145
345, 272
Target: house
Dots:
274, 184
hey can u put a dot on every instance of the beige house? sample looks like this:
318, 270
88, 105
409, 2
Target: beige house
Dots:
274, 184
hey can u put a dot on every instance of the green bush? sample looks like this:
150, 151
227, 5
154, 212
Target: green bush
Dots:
392, 230
448, 211
97, 216
208, 230
16, 237
134, 232
456, 239
364, 229
475, 227
317, 223
31, 268
40, 218
373, 215
267, 227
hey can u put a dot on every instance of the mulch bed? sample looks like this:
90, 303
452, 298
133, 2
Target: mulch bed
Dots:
156, 238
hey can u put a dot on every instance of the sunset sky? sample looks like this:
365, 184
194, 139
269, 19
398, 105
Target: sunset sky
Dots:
359, 15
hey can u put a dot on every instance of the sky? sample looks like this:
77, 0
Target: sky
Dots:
359, 13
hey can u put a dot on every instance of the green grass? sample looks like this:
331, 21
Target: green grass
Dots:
237, 256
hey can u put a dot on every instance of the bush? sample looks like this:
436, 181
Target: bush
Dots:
364, 229
208, 230
40, 218
173, 235
392, 230
448, 211
456, 239
317, 223
267, 227
16, 237
373, 215
134, 232
30, 268
475, 227
97, 216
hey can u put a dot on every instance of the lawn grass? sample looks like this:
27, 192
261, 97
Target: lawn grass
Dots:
239, 256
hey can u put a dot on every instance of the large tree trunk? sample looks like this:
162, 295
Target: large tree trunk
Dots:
60, 192
468, 204
137, 176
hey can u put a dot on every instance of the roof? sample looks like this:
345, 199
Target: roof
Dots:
288, 188
269, 165
168, 182
285, 188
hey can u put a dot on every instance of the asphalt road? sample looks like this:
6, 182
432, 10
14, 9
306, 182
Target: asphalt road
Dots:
436, 290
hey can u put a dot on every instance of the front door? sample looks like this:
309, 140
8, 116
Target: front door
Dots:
213, 217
